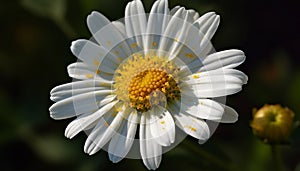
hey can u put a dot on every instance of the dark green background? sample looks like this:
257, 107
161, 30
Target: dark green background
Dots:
34, 53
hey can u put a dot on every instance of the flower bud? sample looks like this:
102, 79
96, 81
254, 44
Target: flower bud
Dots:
272, 123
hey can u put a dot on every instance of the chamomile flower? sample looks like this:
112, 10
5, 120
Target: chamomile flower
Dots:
152, 74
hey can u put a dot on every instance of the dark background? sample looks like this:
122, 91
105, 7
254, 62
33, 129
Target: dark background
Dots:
34, 52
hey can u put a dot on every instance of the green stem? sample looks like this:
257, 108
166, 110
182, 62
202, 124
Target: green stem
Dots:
277, 160
66, 28
210, 157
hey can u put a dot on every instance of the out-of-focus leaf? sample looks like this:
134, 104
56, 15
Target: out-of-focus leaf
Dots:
54, 9
52, 148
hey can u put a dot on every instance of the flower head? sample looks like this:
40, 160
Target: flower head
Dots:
148, 73
272, 123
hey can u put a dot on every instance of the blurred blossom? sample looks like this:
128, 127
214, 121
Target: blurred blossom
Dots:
272, 123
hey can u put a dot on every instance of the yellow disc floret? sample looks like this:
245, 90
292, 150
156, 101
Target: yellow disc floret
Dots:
140, 80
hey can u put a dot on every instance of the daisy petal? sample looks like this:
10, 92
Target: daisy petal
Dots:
94, 55
213, 84
80, 104
209, 75
174, 10
215, 88
103, 132
224, 59
175, 33
120, 144
157, 23
106, 34
202, 108
194, 14
162, 126
194, 127
150, 150
86, 121
79, 87
120, 26
135, 21
207, 24
82, 71
230, 115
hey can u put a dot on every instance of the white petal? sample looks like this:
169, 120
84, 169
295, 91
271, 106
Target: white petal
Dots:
120, 144
202, 108
82, 71
194, 14
157, 23
79, 104
162, 126
212, 80
150, 150
197, 44
79, 87
120, 26
207, 24
103, 132
106, 34
224, 59
175, 33
230, 115
215, 83
95, 56
192, 126
214, 88
224, 73
135, 21
86, 121
174, 10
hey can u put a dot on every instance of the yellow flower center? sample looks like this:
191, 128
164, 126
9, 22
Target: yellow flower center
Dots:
146, 80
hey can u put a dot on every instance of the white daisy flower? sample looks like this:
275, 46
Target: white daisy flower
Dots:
155, 74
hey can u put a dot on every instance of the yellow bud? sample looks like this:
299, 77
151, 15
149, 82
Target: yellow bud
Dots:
272, 123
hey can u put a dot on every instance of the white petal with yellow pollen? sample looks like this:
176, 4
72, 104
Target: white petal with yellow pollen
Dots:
223, 59
175, 33
214, 86
94, 55
103, 132
191, 125
80, 104
225, 74
121, 143
162, 126
157, 23
79, 87
82, 71
150, 150
136, 21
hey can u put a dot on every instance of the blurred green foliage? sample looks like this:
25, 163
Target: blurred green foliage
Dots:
34, 53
